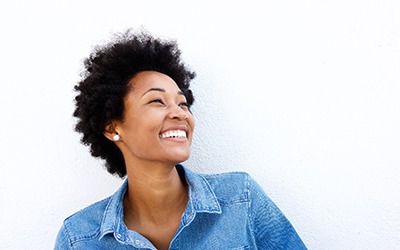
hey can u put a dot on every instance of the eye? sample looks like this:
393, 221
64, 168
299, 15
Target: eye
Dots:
157, 101
184, 105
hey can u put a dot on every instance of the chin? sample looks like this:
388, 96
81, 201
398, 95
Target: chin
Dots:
177, 156
181, 158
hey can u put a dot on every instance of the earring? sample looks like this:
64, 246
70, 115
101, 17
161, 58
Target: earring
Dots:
116, 137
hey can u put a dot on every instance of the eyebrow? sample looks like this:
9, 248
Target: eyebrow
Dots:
160, 90
154, 89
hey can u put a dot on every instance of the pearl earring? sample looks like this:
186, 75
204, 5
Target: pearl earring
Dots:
116, 137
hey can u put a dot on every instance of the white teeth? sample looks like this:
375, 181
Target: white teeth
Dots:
174, 134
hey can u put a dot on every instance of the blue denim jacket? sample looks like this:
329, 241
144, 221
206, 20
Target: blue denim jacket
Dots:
225, 211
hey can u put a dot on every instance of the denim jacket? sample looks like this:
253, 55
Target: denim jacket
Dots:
224, 211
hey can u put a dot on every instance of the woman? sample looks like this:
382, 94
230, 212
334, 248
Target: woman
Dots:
133, 109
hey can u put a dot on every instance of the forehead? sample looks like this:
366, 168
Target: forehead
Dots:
145, 80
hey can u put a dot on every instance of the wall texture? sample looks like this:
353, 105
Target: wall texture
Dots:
303, 95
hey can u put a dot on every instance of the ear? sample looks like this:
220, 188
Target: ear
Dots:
109, 130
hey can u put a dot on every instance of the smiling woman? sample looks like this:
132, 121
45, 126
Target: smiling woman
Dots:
133, 109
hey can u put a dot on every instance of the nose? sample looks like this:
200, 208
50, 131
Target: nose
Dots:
176, 112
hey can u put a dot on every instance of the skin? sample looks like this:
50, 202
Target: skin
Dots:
156, 197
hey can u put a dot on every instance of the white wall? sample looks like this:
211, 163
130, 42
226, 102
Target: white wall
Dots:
304, 95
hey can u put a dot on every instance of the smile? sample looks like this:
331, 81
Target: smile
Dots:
174, 134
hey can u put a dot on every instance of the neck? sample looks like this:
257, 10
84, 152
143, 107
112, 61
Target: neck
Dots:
155, 195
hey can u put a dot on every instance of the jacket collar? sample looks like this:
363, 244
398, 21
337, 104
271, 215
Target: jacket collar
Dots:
202, 199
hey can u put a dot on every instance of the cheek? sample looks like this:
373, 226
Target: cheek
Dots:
146, 127
191, 122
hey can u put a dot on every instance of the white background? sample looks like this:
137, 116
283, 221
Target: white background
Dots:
303, 95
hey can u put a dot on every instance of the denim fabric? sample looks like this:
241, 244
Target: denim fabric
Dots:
225, 211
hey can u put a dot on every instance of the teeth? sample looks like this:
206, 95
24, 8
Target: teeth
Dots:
174, 134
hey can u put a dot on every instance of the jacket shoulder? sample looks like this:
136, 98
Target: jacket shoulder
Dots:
230, 187
86, 222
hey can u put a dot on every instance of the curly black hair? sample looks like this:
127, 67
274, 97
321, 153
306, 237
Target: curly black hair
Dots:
105, 83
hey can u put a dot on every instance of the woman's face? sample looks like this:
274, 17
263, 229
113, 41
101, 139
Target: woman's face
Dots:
157, 125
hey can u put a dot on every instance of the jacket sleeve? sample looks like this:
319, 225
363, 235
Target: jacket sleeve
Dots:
62, 241
271, 229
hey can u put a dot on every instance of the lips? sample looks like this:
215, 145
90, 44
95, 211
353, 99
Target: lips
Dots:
174, 133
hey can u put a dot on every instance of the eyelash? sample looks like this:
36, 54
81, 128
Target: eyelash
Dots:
157, 100
184, 104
